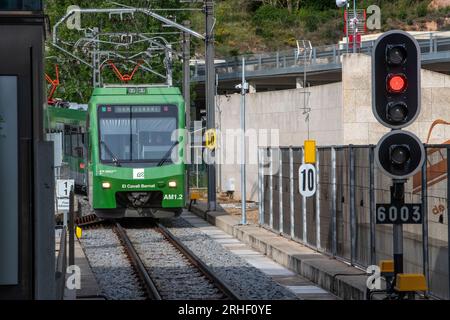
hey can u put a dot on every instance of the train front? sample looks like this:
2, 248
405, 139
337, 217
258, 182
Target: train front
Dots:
138, 156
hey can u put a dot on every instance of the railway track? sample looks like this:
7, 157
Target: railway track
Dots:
88, 221
167, 269
148, 285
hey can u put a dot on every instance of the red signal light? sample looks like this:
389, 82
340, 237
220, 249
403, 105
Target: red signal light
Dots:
81, 165
396, 83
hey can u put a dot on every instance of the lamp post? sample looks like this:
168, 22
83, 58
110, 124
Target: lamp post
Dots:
340, 4
354, 26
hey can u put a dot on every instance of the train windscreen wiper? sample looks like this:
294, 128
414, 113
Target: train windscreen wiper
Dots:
166, 156
113, 157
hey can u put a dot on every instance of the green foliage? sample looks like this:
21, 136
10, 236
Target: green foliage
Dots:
76, 77
422, 9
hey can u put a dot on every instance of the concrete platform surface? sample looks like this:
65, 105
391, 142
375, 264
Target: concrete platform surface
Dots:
89, 286
337, 277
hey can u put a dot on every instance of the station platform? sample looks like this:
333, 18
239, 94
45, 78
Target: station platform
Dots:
337, 277
89, 288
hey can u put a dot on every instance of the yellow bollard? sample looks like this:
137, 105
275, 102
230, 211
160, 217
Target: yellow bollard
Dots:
78, 232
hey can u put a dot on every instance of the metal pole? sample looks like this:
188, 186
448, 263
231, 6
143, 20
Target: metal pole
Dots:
372, 205
431, 42
305, 229
352, 207
169, 63
398, 248
346, 27
318, 201
243, 147
333, 203
96, 62
271, 189
448, 216
291, 185
187, 102
354, 26
425, 256
398, 198
71, 228
210, 101
280, 190
260, 186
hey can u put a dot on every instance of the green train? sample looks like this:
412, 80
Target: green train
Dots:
132, 153
66, 126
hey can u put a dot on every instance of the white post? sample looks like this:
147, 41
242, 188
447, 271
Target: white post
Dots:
291, 186
243, 148
305, 221
318, 201
354, 26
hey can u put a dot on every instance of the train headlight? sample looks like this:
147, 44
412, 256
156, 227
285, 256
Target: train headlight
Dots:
106, 185
172, 184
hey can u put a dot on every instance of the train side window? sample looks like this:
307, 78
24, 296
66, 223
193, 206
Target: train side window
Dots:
79, 149
78, 152
74, 138
67, 143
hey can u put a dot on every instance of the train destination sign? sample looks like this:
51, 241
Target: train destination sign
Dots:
407, 213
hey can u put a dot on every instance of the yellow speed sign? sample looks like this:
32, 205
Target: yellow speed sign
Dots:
211, 139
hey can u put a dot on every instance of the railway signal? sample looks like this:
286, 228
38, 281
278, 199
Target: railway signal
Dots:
396, 79
399, 154
396, 102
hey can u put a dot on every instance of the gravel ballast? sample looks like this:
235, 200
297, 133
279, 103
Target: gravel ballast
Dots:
246, 280
171, 272
110, 265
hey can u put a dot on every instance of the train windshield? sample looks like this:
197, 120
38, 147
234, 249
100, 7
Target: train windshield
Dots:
136, 133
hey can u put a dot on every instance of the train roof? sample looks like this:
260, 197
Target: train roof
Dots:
58, 115
136, 90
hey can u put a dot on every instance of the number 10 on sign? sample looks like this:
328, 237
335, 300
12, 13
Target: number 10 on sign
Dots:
307, 180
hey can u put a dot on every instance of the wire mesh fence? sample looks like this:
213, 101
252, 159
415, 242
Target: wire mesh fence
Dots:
339, 219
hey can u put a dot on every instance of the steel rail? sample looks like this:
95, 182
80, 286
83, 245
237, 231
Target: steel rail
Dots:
149, 285
207, 272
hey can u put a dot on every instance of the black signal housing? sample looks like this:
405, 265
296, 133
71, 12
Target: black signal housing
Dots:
396, 78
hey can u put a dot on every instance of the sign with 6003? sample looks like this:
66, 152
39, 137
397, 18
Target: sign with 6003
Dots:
407, 213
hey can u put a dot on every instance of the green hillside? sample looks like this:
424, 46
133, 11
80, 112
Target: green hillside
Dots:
246, 26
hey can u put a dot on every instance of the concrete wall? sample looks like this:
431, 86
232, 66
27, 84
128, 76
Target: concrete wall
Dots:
282, 111
341, 113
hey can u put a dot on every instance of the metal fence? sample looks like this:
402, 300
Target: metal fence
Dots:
339, 220
328, 56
